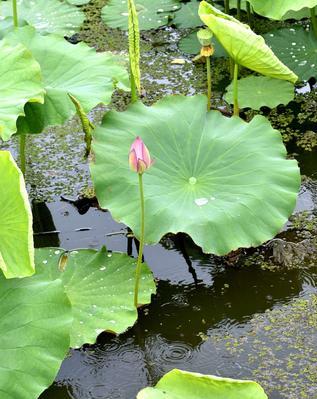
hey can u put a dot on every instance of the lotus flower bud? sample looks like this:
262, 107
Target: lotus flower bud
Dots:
139, 156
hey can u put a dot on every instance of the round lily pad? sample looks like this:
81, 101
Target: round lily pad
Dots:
20, 82
152, 13
258, 91
223, 181
100, 287
190, 45
66, 68
34, 326
277, 9
179, 384
187, 16
297, 48
51, 16
16, 235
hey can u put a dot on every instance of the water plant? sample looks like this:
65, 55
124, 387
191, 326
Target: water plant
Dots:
205, 39
134, 51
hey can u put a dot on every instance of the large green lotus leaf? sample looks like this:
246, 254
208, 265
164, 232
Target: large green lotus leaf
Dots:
100, 287
34, 327
190, 45
258, 91
16, 234
47, 16
297, 48
152, 13
303, 13
20, 82
276, 9
179, 384
244, 46
187, 16
223, 181
78, 2
67, 68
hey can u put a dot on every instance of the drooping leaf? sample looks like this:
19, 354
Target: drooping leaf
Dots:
187, 16
243, 45
51, 16
16, 235
152, 13
20, 82
258, 91
179, 384
134, 44
298, 15
67, 68
190, 45
224, 182
100, 287
34, 327
277, 9
297, 48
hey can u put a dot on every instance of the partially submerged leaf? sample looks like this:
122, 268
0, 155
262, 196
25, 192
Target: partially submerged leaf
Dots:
47, 16
76, 69
16, 234
223, 181
258, 91
34, 328
20, 82
100, 287
152, 13
179, 384
276, 9
244, 46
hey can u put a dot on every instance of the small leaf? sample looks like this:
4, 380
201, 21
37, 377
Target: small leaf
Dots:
258, 91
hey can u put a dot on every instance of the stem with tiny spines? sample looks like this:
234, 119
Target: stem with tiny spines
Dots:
15, 13
209, 83
235, 90
313, 20
22, 145
140, 255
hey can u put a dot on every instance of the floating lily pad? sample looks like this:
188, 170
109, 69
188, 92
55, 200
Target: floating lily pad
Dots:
187, 16
190, 45
100, 287
244, 46
298, 15
277, 9
20, 82
297, 48
179, 384
223, 181
16, 234
67, 68
46, 16
34, 327
152, 13
78, 2
258, 91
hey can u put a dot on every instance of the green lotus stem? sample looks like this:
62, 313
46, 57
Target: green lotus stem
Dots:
139, 262
313, 20
15, 13
249, 13
227, 7
208, 82
239, 9
235, 90
134, 92
22, 145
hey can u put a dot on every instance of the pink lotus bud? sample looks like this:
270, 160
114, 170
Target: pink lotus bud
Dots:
139, 156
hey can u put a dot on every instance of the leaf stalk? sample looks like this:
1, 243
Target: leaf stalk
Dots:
235, 90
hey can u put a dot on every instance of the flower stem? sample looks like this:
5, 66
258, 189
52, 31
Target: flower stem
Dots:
22, 145
209, 83
227, 6
249, 13
140, 256
239, 9
235, 90
313, 20
15, 13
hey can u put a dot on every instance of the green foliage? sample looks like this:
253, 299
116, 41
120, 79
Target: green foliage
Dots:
20, 82
277, 9
209, 179
152, 13
258, 91
16, 235
187, 16
134, 44
243, 45
78, 70
34, 327
297, 48
190, 45
99, 286
179, 384
46, 16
